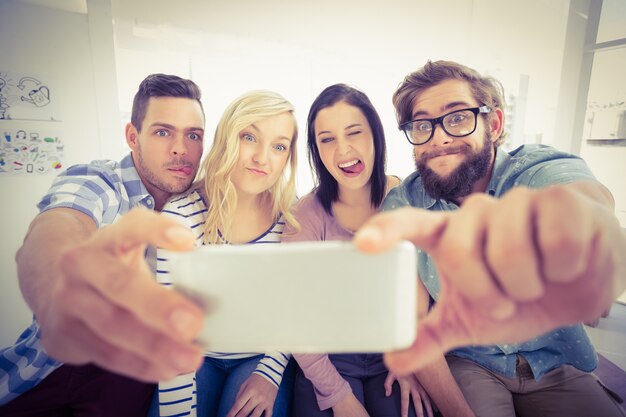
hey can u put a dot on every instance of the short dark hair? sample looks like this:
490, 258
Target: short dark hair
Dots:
327, 189
161, 85
486, 90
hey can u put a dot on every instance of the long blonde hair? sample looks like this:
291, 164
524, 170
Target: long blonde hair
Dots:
216, 170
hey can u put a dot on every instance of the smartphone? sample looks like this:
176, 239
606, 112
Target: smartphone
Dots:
303, 297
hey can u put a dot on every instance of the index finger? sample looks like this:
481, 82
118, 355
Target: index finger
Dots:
382, 231
238, 406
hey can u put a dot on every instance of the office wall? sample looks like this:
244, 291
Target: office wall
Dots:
57, 45
298, 48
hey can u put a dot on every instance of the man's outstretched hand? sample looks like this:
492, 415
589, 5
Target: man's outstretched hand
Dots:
104, 305
510, 269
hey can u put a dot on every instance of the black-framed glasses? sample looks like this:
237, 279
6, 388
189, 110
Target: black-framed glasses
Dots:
458, 123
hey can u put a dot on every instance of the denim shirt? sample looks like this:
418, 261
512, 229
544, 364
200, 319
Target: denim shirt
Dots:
533, 166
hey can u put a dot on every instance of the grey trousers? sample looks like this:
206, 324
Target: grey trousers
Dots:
565, 391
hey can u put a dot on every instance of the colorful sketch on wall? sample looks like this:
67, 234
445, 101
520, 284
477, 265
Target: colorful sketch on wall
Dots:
27, 97
30, 152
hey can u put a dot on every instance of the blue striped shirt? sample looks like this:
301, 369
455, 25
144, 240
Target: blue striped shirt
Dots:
103, 190
533, 166
177, 397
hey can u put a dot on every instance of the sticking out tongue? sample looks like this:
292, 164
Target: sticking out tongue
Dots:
184, 170
354, 169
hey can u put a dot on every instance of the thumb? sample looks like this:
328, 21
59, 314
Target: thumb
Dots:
426, 349
388, 383
438, 332
140, 227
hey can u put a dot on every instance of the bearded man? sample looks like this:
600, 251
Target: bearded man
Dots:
516, 250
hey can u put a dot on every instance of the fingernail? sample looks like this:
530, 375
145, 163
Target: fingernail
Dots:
185, 322
369, 234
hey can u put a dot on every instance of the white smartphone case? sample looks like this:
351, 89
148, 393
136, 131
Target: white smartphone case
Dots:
301, 297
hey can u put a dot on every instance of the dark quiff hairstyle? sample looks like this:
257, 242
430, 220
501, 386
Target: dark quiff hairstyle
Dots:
485, 89
161, 85
327, 189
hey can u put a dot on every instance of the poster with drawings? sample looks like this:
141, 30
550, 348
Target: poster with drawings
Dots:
30, 152
27, 97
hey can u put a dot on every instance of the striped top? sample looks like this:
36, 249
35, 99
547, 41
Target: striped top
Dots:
104, 190
177, 397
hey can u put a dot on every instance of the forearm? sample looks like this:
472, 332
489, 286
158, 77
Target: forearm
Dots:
330, 387
443, 390
38, 259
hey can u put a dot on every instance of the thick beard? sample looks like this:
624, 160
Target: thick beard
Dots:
461, 181
155, 181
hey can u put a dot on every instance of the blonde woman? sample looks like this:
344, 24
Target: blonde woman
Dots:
245, 188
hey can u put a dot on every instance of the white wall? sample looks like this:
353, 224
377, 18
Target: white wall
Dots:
606, 90
299, 47
56, 44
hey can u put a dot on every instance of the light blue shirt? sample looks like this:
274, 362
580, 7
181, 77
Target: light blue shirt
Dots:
533, 166
104, 190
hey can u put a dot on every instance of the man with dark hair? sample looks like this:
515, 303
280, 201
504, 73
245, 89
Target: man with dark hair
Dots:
525, 248
82, 272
